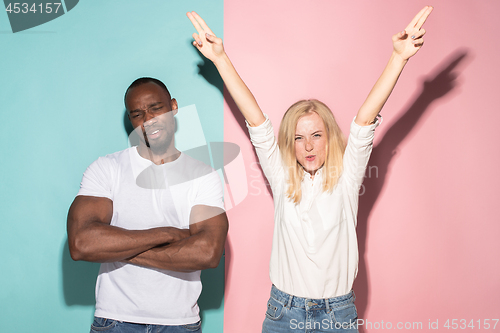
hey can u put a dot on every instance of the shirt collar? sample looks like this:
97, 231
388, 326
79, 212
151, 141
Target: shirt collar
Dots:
318, 173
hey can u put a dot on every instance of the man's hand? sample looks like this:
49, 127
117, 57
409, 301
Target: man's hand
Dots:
407, 42
175, 234
202, 250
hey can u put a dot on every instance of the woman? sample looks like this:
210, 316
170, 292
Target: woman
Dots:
315, 180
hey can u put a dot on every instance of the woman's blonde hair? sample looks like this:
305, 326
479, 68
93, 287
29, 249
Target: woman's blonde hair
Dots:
332, 168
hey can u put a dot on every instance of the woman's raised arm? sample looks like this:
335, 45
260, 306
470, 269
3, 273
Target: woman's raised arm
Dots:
211, 47
406, 43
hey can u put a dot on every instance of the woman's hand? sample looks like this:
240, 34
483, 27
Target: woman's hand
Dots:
205, 40
407, 42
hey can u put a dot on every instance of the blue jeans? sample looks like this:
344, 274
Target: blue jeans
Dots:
115, 326
287, 313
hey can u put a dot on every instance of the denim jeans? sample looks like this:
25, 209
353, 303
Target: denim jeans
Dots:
287, 313
115, 326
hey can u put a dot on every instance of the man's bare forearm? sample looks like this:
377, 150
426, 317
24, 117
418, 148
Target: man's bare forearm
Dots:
202, 250
187, 255
100, 242
92, 238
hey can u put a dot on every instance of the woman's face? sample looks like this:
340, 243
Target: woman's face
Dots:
310, 142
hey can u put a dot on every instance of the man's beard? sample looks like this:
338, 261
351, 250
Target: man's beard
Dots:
158, 147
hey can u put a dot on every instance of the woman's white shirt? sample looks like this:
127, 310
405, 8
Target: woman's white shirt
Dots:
315, 250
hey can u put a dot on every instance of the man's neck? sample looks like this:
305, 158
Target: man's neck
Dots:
169, 155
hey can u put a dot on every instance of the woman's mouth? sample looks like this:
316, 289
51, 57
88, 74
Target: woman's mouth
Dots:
310, 158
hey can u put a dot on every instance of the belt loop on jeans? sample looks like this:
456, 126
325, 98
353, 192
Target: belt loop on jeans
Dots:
288, 305
327, 301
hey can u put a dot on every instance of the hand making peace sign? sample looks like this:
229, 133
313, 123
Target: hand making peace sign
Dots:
407, 42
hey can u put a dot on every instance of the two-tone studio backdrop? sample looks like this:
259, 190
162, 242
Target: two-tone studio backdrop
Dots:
428, 228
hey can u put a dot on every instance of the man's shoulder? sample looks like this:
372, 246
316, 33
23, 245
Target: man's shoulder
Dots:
116, 156
113, 160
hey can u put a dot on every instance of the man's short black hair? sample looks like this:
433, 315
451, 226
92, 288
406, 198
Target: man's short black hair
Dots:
143, 80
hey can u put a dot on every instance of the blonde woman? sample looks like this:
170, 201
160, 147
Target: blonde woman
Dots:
315, 179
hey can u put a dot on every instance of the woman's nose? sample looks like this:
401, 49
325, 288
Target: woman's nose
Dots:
309, 145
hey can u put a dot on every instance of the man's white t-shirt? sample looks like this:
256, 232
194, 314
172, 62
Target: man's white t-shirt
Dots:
146, 196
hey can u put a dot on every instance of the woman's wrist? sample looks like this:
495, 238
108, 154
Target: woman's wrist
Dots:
221, 60
397, 59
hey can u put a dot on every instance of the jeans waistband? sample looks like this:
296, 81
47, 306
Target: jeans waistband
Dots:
312, 303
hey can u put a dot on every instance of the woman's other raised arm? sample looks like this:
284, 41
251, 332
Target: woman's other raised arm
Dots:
211, 47
406, 43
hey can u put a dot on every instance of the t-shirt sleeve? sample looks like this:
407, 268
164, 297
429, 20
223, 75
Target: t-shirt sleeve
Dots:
97, 180
210, 191
266, 147
358, 151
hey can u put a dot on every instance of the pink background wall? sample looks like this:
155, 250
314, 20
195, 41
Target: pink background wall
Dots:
428, 224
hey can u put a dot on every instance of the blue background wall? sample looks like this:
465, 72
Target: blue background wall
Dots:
61, 94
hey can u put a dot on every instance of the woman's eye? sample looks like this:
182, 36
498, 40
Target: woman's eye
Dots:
298, 138
317, 135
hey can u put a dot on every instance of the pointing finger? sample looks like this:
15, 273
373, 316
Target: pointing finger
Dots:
422, 18
195, 23
202, 23
413, 22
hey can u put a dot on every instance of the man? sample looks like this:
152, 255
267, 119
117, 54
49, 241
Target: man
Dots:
154, 218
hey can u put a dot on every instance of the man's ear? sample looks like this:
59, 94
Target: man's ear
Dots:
173, 105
